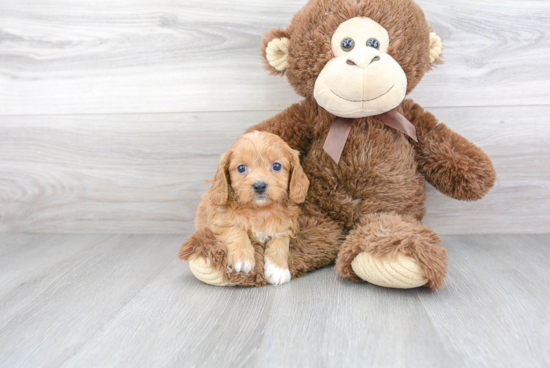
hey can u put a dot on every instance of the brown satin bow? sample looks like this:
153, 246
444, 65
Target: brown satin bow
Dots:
339, 131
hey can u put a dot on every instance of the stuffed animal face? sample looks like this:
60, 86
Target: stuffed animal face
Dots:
362, 79
356, 58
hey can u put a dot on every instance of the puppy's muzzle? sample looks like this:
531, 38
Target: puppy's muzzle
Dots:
260, 187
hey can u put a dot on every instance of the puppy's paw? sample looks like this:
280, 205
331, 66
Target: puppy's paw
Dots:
276, 275
241, 262
244, 266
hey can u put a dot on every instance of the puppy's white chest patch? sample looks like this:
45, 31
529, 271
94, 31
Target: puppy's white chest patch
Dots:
263, 237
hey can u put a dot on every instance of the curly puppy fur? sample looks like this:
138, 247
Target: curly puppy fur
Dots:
373, 200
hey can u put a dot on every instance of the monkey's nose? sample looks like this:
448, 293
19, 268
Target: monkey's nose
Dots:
259, 187
362, 65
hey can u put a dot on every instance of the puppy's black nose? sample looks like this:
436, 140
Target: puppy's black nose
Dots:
259, 187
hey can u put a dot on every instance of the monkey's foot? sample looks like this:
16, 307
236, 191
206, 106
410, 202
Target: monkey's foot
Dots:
394, 251
403, 272
207, 260
203, 271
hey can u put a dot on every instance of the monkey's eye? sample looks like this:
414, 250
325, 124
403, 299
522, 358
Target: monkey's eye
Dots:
241, 169
276, 166
348, 44
373, 43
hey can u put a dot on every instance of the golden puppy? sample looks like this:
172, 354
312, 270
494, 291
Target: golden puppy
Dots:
255, 195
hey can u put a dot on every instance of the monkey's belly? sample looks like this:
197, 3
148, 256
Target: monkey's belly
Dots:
373, 175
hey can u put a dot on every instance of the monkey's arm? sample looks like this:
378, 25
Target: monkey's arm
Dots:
449, 162
291, 125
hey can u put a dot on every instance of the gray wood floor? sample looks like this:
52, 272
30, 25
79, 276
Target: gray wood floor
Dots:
125, 300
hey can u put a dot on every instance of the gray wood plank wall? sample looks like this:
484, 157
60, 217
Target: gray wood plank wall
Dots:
113, 115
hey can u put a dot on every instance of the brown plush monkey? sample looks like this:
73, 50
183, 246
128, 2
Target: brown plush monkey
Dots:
366, 150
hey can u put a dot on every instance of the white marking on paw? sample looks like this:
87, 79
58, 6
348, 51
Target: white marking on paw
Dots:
276, 275
243, 266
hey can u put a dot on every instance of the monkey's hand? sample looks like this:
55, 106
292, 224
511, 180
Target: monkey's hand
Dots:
452, 164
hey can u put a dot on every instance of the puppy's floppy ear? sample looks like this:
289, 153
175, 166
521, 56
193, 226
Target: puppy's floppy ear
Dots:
299, 183
219, 192
275, 51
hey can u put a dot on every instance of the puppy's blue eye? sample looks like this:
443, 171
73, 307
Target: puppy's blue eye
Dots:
241, 169
277, 166
373, 43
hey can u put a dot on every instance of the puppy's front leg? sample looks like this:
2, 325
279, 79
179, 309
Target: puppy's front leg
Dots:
240, 252
276, 260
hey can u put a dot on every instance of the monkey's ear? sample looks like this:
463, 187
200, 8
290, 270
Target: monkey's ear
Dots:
275, 51
219, 192
436, 47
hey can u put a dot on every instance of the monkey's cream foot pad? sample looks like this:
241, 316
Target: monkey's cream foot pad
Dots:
203, 270
402, 272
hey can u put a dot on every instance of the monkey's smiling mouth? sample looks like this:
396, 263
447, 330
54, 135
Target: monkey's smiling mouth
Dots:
372, 99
